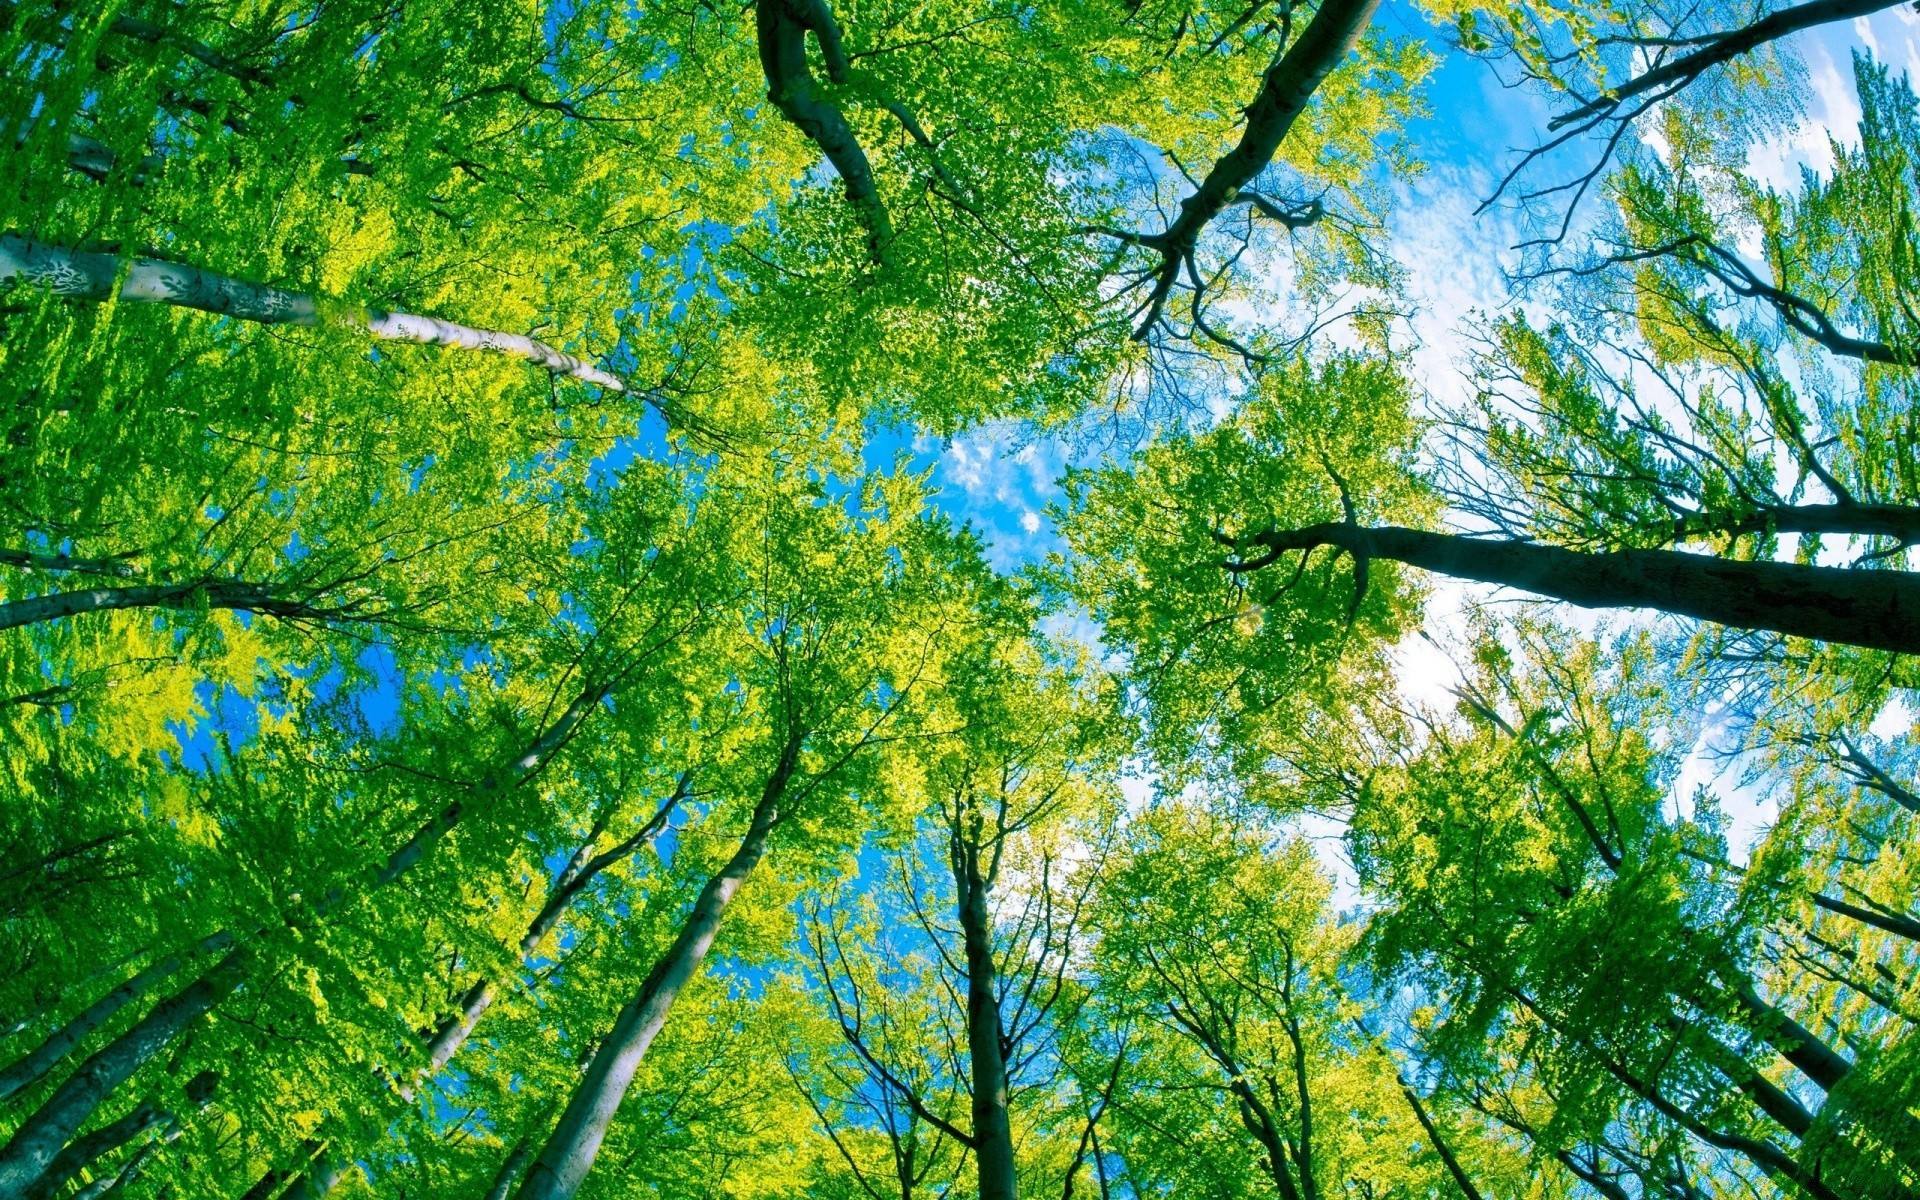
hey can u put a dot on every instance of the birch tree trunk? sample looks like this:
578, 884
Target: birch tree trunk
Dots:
34, 1065
90, 276
39, 1139
569, 1153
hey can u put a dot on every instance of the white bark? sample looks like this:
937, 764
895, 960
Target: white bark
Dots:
86, 275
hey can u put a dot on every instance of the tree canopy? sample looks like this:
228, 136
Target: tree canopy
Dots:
508, 691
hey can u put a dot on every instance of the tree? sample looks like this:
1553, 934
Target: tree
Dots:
952, 994
1587, 971
1218, 952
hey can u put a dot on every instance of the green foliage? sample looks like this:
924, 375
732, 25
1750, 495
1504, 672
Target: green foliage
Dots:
440, 687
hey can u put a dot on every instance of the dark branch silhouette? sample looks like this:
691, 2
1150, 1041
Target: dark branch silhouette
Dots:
1872, 608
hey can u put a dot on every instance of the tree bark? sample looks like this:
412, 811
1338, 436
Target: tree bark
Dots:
781, 26
34, 1065
1724, 47
1460, 1177
213, 593
1285, 90
1876, 609
90, 1149
90, 276
515, 1163
1901, 521
992, 1134
94, 1146
322, 1176
568, 1155
1893, 923
580, 871
1794, 1041
116, 1184
39, 1139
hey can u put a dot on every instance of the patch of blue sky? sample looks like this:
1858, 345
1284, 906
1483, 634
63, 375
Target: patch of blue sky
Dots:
228, 720
376, 703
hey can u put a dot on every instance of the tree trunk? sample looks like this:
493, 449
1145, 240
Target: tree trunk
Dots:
992, 1136
116, 1184
1893, 923
573, 879
781, 29
38, 1140
213, 593
322, 1176
94, 1146
1794, 1041
1725, 47
88, 1150
515, 1163
33, 1065
1460, 1177
1876, 609
569, 1153
41, 1136
1286, 88
90, 276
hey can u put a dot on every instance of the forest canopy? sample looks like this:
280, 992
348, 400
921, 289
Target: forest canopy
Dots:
522, 674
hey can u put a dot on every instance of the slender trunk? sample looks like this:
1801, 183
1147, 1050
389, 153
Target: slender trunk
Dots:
39, 1138
1594, 1179
160, 35
1872, 608
212, 593
1756, 1150
277, 1177
266, 1185
22, 1024
1893, 923
42, 1135
117, 1183
1823, 1065
325, 1174
1900, 521
94, 1146
89, 276
515, 1163
88, 1150
33, 1065
1460, 1177
1725, 47
569, 1152
992, 1134
573, 879
1286, 88
34, 560
1794, 1041
781, 28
